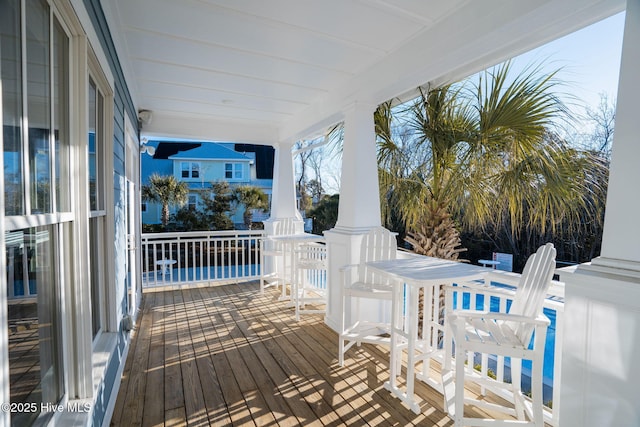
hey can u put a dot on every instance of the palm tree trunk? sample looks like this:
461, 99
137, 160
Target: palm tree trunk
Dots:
437, 236
165, 214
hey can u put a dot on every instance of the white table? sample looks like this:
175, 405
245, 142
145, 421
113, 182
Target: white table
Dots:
427, 273
164, 265
489, 262
290, 241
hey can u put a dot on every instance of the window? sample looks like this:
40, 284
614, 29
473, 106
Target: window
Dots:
97, 217
95, 146
34, 67
35, 324
193, 202
38, 95
12, 99
233, 170
190, 169
143, 206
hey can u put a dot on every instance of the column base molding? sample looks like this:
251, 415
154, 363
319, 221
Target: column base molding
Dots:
614, 266
347, 231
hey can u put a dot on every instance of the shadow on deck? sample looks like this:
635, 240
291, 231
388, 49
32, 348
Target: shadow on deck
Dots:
225, 355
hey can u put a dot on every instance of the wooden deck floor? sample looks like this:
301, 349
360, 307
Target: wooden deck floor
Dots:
225, 355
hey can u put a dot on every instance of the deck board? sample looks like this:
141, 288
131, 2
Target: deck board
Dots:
226, 355
153, 412
173, 394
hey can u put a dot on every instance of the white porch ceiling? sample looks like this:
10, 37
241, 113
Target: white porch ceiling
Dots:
265, 71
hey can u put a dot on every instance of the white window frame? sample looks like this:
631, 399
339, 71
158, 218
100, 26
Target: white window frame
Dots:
195, 198
64, 223
236, 169
190, 167
104, 157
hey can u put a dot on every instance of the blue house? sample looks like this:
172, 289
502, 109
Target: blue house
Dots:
200, 164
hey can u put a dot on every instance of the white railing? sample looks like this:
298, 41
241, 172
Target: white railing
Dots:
200, 256
498, 297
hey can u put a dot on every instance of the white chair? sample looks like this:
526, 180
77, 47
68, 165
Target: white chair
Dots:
359, 282
310, 285
276, 251
500, 334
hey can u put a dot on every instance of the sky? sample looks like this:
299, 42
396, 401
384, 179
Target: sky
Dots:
589, 59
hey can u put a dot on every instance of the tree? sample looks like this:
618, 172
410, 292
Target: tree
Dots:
315, 190
481, 156
325, 214
603, 118
316, 162
217, 206
166, 190
188, 219
213, 212
301, 185
251, 198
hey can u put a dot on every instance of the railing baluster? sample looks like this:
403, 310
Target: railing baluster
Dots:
193, 262
500, 359
242, 258
207, 261
557, 360
236, 255
484, 360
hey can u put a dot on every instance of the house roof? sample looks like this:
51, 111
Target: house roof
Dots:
210, 151
166, 149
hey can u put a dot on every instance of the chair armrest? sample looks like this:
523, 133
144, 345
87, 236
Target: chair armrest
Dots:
480, 289
541, 320
347, 267
503, 277
513, 279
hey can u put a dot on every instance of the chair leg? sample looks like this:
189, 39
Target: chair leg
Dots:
458, 416
536, 391
516, 382
448, 383
295, 294
343, 325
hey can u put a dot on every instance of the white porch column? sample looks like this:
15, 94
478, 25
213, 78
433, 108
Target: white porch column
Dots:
359, 208
283, 193
283, 197
600, 375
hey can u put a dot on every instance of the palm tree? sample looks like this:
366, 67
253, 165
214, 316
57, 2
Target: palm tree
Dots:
481, 153
166, 190
252, 198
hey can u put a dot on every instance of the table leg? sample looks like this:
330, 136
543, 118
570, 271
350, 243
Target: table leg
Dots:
396, 326
285, 255
448, 384
410, 335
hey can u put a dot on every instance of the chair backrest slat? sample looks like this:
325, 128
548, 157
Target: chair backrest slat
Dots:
285, 226
532, 288
377, 245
